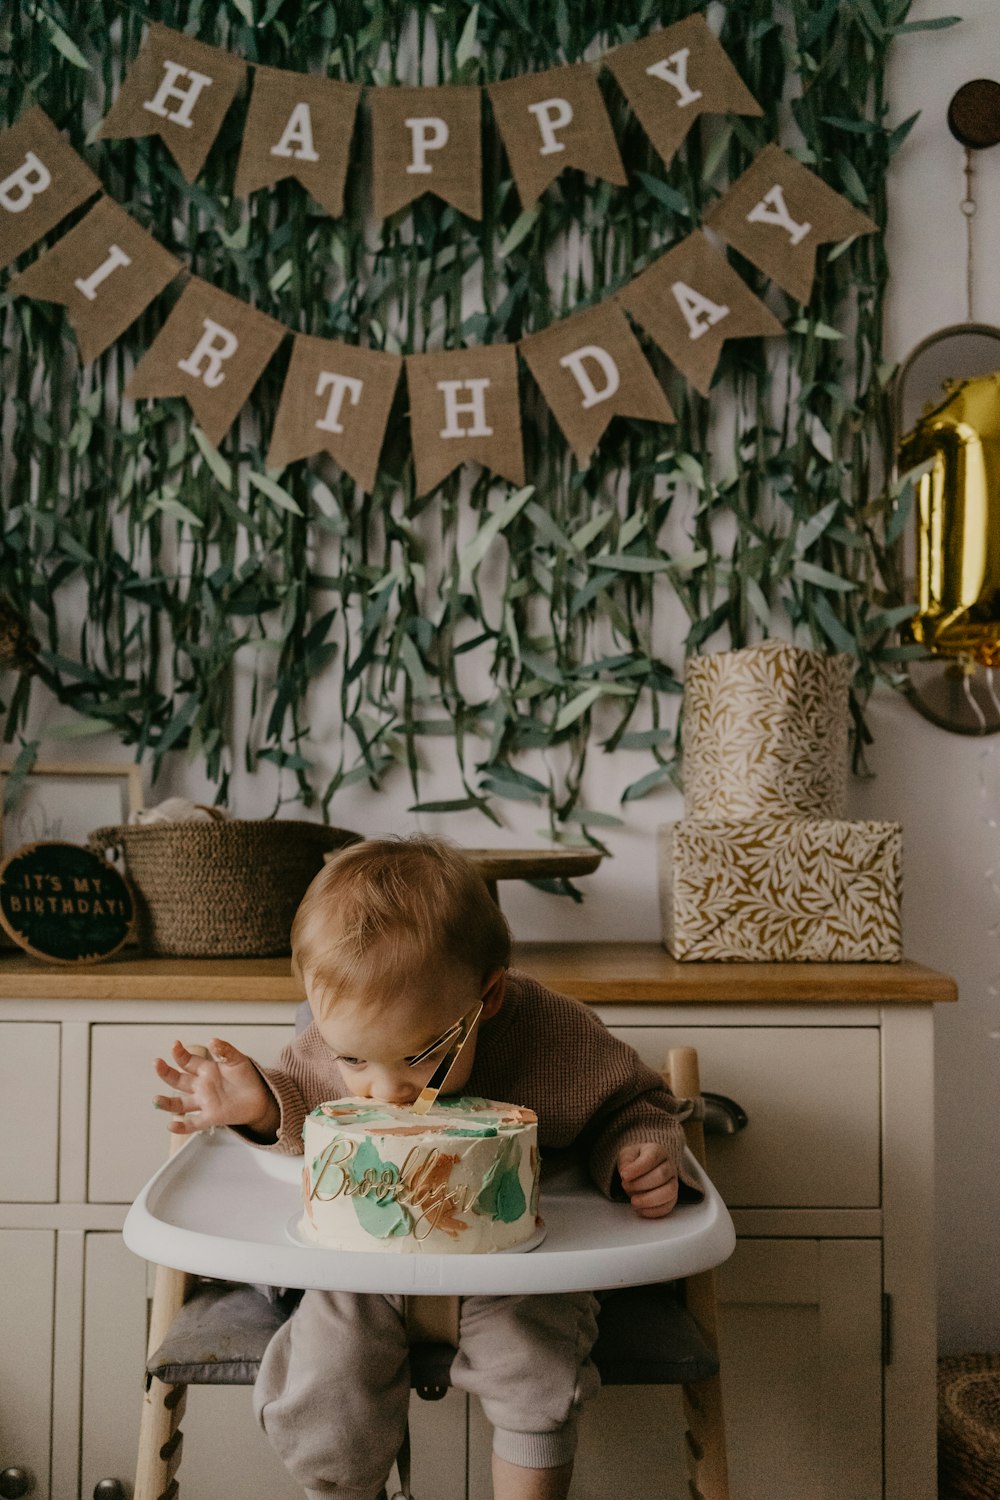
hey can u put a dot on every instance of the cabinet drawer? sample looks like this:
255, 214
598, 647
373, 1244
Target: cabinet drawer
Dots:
29, 1111
128, 1137
812, 1097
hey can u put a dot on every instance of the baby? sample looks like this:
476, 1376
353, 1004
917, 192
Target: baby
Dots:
395, 941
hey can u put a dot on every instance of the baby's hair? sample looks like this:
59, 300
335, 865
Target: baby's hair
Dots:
384, 908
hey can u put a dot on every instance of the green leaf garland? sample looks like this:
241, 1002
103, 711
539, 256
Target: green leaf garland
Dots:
145, 563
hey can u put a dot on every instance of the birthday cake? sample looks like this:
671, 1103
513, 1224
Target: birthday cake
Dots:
460, 1179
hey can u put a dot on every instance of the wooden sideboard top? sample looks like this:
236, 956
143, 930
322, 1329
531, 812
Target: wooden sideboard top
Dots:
604, 972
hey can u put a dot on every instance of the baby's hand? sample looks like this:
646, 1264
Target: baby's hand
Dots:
648, 1178
222, 1089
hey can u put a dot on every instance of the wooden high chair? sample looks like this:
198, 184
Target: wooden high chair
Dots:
216, 1332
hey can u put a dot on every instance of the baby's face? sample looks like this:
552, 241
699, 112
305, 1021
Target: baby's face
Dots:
376, 1044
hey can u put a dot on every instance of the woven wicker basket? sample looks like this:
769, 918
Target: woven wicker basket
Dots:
969, 1427
219, 889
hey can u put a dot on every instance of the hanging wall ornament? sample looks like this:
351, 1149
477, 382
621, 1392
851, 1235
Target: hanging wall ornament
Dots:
590, 368
336, 399
778, 213
690, 301
946, 411
41, 180
673, 76
298, 125
553, 120
465, 408
954, 453
105, 272
180, 90
427, 141
211, 350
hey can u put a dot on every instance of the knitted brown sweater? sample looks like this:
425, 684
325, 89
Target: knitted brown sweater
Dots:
590, 1090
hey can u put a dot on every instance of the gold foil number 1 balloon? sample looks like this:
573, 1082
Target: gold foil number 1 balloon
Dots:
951, 451
953, 455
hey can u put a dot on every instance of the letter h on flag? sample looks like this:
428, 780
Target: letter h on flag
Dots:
179, 89
464, 407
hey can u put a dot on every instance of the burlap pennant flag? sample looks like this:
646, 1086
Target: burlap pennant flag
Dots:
180, 90
590, 368
336, 399
690, 301
211, 350
673, 76
427, 141
105, 272
464, 407
778, 212
553, 120
41, 180
298, 125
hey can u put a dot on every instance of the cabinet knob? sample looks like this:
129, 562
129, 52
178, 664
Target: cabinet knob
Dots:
109, 1489
14, 1483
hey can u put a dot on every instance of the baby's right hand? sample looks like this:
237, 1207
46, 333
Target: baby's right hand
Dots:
221, 1089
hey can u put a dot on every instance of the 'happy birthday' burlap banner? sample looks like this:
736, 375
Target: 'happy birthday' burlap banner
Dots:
690, 301
298, 125
553, 120
777, 214
464, 408
211, 350
105, 272
427, 141
178, 89
673, 76
591, 368
336, 399
464, 404
41, 180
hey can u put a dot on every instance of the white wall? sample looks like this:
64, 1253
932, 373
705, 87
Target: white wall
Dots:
926, 778
932, 781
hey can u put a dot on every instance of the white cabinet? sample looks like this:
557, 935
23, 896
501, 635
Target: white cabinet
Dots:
113, 1349
802, 1386
27, 1280
830, 1187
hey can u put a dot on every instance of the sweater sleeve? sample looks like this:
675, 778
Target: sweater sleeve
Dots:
305, 1076
651, 1114
589, 1088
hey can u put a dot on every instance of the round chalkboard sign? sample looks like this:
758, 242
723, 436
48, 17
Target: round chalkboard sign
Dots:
60, 902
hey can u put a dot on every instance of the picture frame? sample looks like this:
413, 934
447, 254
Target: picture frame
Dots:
66, 800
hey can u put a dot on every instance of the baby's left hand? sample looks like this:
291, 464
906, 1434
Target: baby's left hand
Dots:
648, 1178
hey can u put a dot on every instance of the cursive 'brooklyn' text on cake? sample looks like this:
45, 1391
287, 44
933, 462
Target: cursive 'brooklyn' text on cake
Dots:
461, 1179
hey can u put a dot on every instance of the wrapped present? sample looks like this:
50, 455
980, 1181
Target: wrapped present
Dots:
781, 889
765, 732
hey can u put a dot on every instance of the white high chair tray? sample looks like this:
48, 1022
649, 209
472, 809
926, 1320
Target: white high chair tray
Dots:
221, 1208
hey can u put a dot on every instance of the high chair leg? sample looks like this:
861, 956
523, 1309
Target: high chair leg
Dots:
706, 1439
160, 1438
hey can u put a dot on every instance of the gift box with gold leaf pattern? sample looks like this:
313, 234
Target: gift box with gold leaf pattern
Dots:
765, 732
781, 889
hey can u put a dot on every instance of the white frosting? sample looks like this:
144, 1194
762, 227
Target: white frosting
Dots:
461, 1179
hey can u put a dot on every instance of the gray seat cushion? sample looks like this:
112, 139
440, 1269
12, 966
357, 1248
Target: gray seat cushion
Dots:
646, 1337
219, 1336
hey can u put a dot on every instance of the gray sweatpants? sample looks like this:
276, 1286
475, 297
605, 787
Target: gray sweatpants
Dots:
333, 1388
